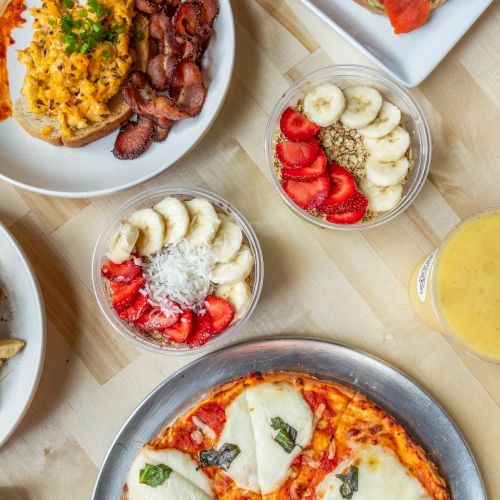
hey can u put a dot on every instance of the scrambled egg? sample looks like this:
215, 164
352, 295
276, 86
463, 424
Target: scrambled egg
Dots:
73, 81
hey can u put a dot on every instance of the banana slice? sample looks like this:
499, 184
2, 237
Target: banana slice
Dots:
123, 243
239, 294
204, 222
386, 173
151, 230
228, 239
380, 198
176, 218
390, 147
386, 121
237, 269
363, 106
324, 104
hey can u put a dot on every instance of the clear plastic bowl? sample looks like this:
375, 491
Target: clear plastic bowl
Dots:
412, 118
148, 199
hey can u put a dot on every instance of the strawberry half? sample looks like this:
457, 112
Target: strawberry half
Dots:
310, 194
180, 330
312, 171
124, 272
356, 201
296, 126
155, 319
346, 217
202, 331
343, 186
297, 154
221, 311
135, 310
124, 294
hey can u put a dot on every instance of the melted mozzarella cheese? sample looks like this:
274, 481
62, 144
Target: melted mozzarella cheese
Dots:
238, 430
184, 482
263, 464
381, 476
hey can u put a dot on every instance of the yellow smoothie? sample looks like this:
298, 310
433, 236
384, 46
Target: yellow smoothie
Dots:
457, 289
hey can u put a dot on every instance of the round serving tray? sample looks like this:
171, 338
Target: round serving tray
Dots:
422, 416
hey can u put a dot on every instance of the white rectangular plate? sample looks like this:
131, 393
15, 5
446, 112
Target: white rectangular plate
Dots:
408, 58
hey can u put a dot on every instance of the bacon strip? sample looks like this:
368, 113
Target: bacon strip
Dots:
160, 133
209, 11
147, 6
187, 18
133, 139
187, 88
407, 15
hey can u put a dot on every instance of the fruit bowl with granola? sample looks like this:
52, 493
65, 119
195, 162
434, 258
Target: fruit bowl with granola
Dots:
177, 269
347, 148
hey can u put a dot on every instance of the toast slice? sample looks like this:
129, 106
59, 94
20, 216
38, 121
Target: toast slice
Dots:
120, 111
376, 6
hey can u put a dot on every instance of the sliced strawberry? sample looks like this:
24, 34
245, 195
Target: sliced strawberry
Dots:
124, 272
202, 331
135, 310
296, 126
343, 185
356, 201
312, 171
125, 293
346, 217
155, 319
180, 331
221, 311
308, 195
297, 154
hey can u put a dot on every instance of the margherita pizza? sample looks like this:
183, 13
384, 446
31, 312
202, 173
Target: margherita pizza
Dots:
283, 436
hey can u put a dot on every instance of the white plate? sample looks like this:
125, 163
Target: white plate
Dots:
408, 58
19, 376
35, 165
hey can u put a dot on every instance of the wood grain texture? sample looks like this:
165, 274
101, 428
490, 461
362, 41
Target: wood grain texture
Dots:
346, 287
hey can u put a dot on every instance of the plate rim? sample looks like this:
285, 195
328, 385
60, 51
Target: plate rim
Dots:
407, 82
197, 138
43, 330
262, 341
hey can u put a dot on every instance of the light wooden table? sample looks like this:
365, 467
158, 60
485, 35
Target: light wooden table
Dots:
347, 287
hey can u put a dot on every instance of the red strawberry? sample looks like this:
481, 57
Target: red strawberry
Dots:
124, 294
310, 194
202, 331
124, 272
134, 311
343, 184
180, 331
357, 201
296, 126
297, 154
221, 311
155, 319
346, 217
312, 171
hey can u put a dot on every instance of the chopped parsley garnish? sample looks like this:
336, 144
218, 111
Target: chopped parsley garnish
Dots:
286, 434
154, 475
349, 482
139, 35
83, 34
221, 458
106, 54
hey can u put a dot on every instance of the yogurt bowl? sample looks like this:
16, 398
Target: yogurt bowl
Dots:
177, 270
358, 150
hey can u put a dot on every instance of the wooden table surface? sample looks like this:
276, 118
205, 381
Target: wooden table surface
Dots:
346, 287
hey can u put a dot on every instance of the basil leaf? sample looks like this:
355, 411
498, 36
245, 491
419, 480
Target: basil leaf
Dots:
286, 434
154, 475
349, 482
221, 458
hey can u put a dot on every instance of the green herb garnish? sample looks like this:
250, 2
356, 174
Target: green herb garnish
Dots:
106, 54
68, 3
139, 35
349, 482
221, 458
286, 434
154, 475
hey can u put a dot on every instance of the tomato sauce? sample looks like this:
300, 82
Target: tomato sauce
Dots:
10, 19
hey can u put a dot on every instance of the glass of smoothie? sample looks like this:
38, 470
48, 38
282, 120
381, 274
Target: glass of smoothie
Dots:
456, 289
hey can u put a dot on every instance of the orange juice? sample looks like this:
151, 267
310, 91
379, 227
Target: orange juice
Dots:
456, 290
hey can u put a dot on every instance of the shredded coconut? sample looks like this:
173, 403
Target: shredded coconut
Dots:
178, 277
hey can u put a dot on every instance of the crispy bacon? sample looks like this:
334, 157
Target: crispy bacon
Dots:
209, 11
160, 70
187, 88
187, 19
160, 133
147, 6
133, 139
